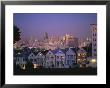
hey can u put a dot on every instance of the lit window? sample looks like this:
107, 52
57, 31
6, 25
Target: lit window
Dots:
19, 53
78, 59
93, 61
78, 54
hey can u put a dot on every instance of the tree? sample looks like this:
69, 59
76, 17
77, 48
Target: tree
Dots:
88, 49
29, 65
16, 32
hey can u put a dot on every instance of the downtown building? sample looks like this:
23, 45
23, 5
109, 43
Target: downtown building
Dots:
94, 40
70, 41
93, 28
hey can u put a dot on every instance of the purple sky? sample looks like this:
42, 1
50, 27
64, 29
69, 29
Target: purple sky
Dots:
35, 24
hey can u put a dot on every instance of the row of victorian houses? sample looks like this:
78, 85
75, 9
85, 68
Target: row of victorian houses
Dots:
59, 58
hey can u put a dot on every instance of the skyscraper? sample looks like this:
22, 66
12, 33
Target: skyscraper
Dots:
94, 40
46, 36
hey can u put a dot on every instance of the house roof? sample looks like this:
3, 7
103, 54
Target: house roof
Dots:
44, 52
81, 50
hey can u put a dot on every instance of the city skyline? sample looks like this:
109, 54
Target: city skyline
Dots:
55, 24
55, 41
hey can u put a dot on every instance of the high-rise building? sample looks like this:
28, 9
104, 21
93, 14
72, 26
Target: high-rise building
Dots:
46, 36
94, 40
70, 40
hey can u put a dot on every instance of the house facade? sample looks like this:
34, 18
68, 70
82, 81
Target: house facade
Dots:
70, 58
60, 59
82, 57
20, 60
40, 59
32, 58
50, 60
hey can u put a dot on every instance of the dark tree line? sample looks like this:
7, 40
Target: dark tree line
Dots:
16, 33
88, 49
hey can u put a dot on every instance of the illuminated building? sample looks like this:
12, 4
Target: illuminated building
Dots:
94, 43
70, 58
70, 41
94, 40
82, 57
20, 60
84, 42
46, 37
40, 59
50, 60
60, 59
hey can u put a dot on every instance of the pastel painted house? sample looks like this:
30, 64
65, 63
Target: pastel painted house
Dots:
32, 57
40, 59
60, 59
82, 57
50, 60
70, 58
20, 59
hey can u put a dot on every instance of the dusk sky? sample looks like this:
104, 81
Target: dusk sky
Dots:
56, 24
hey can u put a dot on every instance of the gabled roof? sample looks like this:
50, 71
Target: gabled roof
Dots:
59, 51
70, 50
49, 51
81, 50
35, 53
44, 52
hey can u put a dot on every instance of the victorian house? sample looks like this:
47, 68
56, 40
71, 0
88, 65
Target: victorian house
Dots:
20, 59
82, 57
70, 58
50, 60
60, 59
40, 59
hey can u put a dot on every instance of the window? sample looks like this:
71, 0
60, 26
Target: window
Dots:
35, 60
94, 49
78, 54
95, 44
52, 57
23, 59
71, 56
67, 62
68, 56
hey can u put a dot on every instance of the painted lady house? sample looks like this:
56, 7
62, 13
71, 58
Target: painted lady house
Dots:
50, 59
32, 58
40, 57
82, 57
20, 59
70, 60
60, 59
